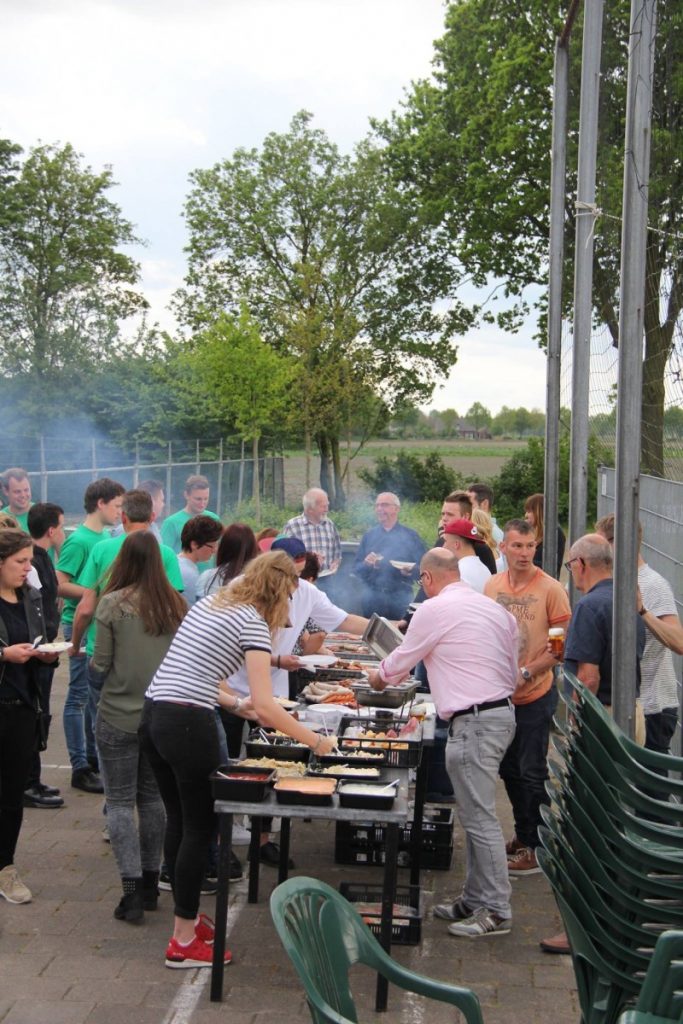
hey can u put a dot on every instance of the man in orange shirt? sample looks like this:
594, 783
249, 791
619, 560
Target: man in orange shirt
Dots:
538, 602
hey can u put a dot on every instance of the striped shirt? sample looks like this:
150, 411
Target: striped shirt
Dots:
210, 645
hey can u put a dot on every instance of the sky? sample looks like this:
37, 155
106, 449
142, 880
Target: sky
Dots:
157, 90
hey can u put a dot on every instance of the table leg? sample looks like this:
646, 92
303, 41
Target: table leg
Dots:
254, 860
388, 895
282, 868
224, 845
418, 815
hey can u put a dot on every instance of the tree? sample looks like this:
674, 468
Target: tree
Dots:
479, 415
411, 477
229, 370
64, 283
474, 145
335, 266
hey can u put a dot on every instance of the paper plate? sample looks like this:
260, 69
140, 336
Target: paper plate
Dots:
317, 660
402, 565
58, 647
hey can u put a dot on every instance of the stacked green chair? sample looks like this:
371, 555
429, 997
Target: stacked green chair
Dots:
659, 1000
612, 850
324, 937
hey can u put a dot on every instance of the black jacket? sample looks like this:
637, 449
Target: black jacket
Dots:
33, 609
48, 579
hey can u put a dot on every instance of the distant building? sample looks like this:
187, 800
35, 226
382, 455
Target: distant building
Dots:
468, 431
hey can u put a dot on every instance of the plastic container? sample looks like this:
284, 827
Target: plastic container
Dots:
401, 751
360, 794
281, 748
364, 842
300, 791
406, 926
230, 782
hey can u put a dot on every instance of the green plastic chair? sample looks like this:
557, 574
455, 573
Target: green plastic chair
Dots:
661, 997
324, 937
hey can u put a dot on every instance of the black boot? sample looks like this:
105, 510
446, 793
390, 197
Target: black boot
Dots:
150, 889
131, 906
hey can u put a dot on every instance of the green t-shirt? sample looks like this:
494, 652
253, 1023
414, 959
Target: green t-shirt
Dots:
22, 519
72, 560
172, 527
94, 575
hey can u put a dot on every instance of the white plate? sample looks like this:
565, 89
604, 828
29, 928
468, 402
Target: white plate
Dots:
326, 572
402, 565
317, 660
58, 647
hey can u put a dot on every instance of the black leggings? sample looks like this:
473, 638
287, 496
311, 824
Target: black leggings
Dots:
17, 743
181, 744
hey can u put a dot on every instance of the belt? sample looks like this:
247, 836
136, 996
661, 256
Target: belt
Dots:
486, 706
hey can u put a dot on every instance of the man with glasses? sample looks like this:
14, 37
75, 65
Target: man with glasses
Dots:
469, 645
387, 588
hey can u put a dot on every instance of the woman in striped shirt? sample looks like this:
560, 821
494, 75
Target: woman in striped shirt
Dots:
179, 735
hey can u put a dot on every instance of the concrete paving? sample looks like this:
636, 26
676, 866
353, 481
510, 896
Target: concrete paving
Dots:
64, 959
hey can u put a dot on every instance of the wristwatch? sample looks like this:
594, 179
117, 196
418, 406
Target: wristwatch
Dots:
525, 674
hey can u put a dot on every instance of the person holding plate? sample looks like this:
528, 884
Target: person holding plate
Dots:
387, 561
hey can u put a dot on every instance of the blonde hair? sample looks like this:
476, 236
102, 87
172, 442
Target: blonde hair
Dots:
482, 521
267, 583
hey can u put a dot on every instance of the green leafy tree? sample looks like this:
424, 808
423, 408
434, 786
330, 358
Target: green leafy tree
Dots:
335, 265
474, 144
411, 477
479, 415
65, 284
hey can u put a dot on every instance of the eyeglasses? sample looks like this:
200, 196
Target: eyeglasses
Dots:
568, 565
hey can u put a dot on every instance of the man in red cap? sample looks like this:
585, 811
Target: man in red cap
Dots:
459, 537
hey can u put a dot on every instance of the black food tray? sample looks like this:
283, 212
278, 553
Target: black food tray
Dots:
334, 675
245, 788
366, 801
294, 798
376, 780
361, 762
280, 750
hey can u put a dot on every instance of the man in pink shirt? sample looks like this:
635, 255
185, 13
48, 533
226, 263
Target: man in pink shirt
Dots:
469, 646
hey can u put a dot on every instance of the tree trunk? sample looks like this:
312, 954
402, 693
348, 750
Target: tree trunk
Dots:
256, 479
339, 496
326, 479
658, 344
307, 452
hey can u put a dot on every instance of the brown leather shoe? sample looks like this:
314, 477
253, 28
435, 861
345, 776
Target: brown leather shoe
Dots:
514, 846
556, 944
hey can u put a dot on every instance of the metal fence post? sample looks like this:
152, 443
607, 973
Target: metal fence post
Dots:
583, 266
43, 470
551, 475
136, 465
169, 476
630, 381
219, 483
93, 453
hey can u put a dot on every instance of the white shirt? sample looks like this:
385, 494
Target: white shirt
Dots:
658, 686
474, 572
307, 603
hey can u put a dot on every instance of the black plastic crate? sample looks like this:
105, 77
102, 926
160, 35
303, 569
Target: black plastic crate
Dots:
405, 931
402, 752
363, 842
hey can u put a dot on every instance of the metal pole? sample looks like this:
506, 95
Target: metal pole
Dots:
240, 482
93, 450
551, 485
219, 489
43, 470
136, 467
583, 266
197, 467
631, 333
169, 474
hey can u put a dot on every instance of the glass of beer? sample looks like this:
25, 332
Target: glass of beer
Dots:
556, 638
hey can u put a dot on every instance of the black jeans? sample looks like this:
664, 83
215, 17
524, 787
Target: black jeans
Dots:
181, 744
44, 674
17, 743
659, 730
524, 769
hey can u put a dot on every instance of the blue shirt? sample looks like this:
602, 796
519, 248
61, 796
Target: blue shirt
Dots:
401, 544
589, 636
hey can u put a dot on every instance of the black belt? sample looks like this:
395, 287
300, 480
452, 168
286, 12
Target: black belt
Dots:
486, 706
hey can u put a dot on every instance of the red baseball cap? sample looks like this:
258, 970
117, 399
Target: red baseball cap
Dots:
464, 528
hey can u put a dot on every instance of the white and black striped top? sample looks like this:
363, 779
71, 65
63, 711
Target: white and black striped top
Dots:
210, 645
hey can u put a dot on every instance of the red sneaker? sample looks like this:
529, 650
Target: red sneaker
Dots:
204, 929
196, 954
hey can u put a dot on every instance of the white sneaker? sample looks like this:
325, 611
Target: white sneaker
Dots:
241, 836
12, 887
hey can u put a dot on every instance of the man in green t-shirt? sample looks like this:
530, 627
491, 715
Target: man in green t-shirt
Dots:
196, 496
136, 514
102, 502
16, 487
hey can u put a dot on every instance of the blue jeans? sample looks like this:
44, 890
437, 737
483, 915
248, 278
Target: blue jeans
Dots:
525, 766
129, 783
78, 726
95, 684
475, 750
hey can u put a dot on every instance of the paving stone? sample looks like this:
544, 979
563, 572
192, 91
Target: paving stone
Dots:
31, 1012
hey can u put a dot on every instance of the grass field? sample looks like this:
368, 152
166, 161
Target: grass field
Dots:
476, 460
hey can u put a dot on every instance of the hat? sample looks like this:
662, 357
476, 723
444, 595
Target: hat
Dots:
464, 528
292, 546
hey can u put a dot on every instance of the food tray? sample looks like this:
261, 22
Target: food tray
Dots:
402, 752
341, 771
406, 926
391, 697
281, 748
247, 784
381, 637
293, 791
334, 675
361, 758
378, 801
